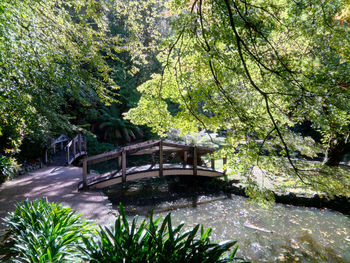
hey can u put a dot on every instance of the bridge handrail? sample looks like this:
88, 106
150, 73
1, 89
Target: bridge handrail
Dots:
118, 152
131, 149
54, 142
61, 139
77, 146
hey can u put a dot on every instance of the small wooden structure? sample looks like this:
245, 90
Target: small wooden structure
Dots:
75, 148
150, 147
59, 142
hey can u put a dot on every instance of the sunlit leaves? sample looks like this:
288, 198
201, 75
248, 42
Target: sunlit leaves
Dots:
255, 69
156, 241
41, 231
51, 51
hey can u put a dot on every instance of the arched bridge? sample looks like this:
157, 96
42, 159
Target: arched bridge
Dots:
189, 154
67, 150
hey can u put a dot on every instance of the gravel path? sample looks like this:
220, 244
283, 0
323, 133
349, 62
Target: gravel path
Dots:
58, 184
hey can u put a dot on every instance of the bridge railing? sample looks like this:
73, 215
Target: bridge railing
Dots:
119, 153
149, 147
75, 148
56, 143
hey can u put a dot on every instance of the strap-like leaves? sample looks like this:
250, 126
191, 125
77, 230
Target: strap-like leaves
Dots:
156, 241
45, 232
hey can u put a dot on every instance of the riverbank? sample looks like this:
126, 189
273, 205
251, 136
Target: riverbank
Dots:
337, 203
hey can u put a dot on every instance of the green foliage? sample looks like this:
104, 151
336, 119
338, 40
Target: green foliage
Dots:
134, 23
8, 168
202, 138
61, 62
156, 241
95, 147
116, 129
147, 23
41, 231
51, 52
255, 69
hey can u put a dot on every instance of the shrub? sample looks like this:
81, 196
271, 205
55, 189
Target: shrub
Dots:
96, 147
41, 231
8, 168
157, 242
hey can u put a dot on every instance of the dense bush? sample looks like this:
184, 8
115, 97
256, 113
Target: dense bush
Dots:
96, 147
40, 231
8, 168
155, 241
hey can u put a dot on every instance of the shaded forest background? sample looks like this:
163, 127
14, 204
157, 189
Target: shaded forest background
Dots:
72, 67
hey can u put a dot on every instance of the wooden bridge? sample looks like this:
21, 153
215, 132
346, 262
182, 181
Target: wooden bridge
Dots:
76, 148
153, 147
71, 148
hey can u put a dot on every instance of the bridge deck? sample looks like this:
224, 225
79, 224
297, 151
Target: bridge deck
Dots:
147, 171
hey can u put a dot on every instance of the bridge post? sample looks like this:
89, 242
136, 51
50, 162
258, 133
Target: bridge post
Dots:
85, 171
194, 160
79, 143
185, 159
124, 166
160, 159
67, 154
212, 164
119, 162
153, 159
74, 149
224, 161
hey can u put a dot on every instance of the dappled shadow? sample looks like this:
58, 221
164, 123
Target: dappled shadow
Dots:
58, 184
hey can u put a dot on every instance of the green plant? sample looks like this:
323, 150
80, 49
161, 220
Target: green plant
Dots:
202, 138
41, 231
116, 128
96, 147
155, 241
8, 167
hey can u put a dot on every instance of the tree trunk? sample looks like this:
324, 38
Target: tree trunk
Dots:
336, 151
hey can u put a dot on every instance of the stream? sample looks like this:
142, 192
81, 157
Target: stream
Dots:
282, 233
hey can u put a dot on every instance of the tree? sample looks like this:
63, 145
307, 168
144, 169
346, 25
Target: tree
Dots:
50, 52
130, 67
256, 69
116, 129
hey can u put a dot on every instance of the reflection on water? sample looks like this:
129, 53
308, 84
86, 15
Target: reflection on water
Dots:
307, 235
280, 234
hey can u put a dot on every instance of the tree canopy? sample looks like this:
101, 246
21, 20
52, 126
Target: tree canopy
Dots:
51, 52
260, 71
256, 69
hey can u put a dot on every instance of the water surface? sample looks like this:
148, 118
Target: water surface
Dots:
279, 234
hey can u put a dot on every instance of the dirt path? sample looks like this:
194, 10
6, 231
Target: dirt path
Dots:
58, 184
